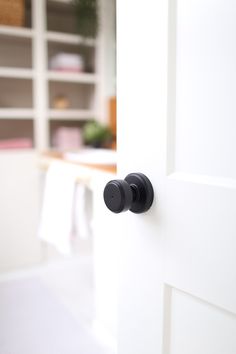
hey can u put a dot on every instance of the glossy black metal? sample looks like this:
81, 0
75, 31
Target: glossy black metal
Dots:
134, 193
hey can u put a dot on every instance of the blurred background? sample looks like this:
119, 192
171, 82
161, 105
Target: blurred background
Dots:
57, 147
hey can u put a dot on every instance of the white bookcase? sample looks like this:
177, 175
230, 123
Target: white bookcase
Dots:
28, 86
27, 90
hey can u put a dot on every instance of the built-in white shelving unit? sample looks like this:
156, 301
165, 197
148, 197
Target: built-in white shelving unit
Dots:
27, 110
29, 87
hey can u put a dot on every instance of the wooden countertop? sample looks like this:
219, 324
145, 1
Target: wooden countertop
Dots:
47, 156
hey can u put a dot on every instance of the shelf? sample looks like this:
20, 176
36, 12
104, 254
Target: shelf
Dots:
16, 32
80, 96
16, 73
16, 52
86, 52
72, 77
16, 113
71, 114
16, 93
61, 17
69, 39
60, 1
16, 134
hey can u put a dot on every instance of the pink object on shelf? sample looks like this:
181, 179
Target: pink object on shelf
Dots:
67, 62
66, 138
18, 143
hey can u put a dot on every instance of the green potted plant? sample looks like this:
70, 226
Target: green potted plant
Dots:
96, 134
87, 17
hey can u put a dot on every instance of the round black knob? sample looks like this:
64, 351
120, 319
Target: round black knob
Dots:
134, 193
118, 196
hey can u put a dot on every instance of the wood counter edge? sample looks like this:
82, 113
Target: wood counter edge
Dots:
55, 155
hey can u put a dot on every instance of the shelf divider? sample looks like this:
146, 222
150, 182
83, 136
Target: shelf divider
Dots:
71, 114
16, 31
17, 73
16, 113
85, 78
69, 38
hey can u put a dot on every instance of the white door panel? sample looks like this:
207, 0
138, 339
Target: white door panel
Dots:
201, 258
200, 224
193, 325
205, 87
176, 124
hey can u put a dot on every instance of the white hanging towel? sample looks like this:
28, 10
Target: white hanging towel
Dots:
82, 212
58, 206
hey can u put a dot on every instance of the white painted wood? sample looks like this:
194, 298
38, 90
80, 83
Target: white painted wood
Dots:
16, 113
16, 31
40, 66
69, 39
60, 1
16, 73
105, 58
72, 77
176, 124
199, 322
79, 114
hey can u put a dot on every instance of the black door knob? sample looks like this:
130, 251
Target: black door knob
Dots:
134, 193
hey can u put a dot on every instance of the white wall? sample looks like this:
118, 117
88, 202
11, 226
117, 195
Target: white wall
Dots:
19, 210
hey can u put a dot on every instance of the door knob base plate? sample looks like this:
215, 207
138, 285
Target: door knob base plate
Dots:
142, 190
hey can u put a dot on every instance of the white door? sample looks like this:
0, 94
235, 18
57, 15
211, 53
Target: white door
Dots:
177, 124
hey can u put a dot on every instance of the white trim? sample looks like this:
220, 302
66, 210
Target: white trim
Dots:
16, 113
203, 179
60, 1
78, 114
72, 77
16, 31
69, 39
40, 66
16, 73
